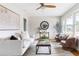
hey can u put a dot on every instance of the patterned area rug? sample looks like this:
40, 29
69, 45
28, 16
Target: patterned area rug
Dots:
56, 50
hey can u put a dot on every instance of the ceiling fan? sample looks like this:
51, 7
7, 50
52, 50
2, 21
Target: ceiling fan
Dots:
46, 6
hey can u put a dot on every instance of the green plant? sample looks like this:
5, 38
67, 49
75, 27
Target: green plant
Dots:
44, 37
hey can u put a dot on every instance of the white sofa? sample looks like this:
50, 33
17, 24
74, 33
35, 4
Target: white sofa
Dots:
10, 47
15, 47
26, 44
27, 41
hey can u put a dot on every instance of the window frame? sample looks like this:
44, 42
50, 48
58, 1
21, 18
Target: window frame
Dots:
65, 26
75, 22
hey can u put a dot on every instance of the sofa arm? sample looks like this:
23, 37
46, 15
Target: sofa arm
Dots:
10, 47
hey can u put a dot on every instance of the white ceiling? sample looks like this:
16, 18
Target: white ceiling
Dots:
29, 9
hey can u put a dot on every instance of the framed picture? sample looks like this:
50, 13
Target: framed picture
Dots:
44, 25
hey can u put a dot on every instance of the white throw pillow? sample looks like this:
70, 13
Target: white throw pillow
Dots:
17, 35
63, 41
25, 35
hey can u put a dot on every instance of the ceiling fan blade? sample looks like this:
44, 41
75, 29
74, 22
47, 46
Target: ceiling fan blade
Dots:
50, 6
39, 7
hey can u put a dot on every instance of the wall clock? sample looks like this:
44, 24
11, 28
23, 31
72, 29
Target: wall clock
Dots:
44, 25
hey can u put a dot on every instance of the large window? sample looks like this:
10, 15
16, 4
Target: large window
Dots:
69, 25
77, 24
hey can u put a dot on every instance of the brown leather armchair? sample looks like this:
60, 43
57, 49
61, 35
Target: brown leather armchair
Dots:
69, 44
61, 37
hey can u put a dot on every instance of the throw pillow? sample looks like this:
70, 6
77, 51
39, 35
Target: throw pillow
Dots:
18, 36
13, 38
25, 35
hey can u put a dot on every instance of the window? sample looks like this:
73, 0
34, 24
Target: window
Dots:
69, 25
77, 24
63, 26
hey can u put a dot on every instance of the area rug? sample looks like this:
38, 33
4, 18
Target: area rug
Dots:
56, 50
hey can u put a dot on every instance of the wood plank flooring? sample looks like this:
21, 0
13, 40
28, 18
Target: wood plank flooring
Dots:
75, 52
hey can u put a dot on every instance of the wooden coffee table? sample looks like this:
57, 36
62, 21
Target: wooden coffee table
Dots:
43, 45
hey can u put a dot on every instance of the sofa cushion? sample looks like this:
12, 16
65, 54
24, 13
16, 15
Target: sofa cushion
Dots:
18, 35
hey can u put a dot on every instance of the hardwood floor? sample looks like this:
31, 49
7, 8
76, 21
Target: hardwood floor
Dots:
56, 50
75, 52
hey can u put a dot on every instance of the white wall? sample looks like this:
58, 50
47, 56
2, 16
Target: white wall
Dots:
8, 32
17, 11
34, 23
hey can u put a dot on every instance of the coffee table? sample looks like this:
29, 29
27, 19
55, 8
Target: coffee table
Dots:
45, 44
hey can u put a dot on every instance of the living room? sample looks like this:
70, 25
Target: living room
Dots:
24, 25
